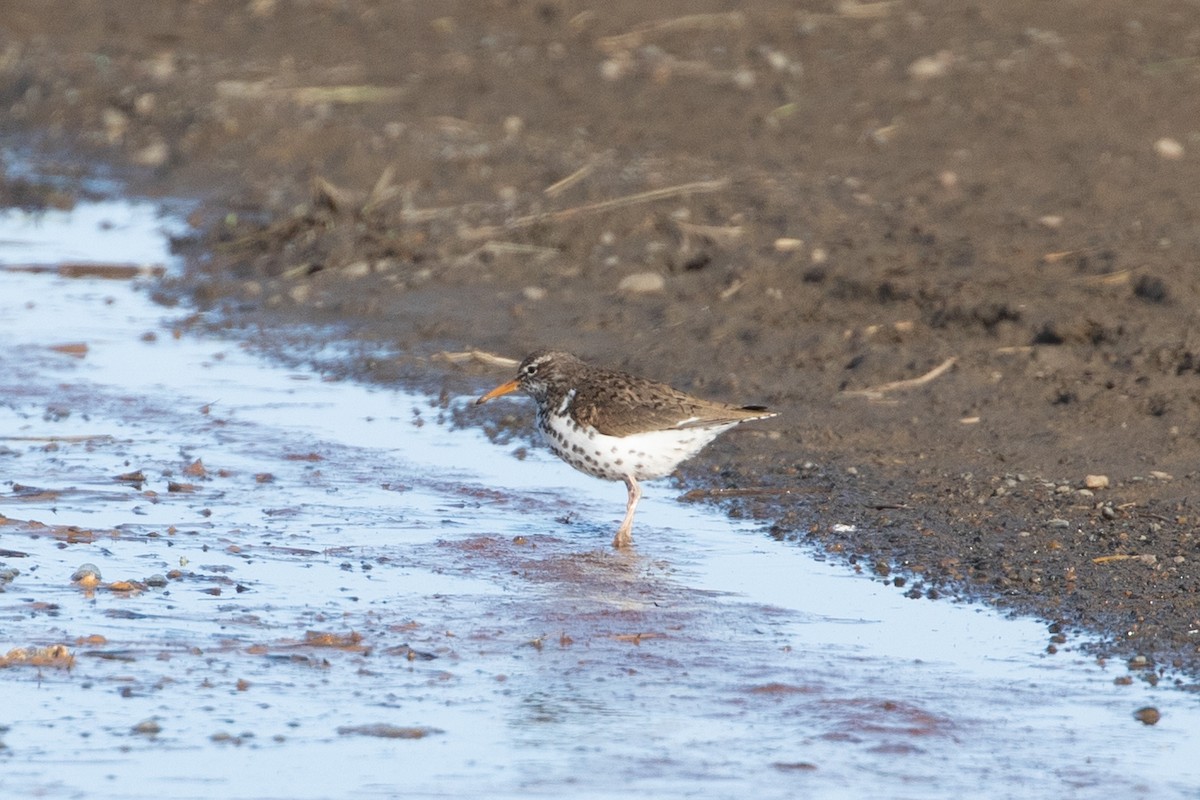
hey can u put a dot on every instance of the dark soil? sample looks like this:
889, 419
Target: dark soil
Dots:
813, 200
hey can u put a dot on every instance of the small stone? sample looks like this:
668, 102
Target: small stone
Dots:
1052, 221
934, 66
1158, 475
357, 269
744, 78
154, 154
148, 727
1147, 715
613, 69
1168, 148
115, 123
86, 575
534, 293
1108, 513
642, 283
1058, 522
1095, 481
156, 580
299, 293
786, 244
1085, 493
144, 104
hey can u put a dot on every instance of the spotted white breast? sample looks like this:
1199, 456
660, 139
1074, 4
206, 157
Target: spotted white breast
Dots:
644, 456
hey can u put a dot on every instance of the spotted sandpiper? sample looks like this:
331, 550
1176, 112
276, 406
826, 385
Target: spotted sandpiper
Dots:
618, 426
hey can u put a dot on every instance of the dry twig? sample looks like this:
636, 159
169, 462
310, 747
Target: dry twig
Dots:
732, 20
697, 187
560, 186
877, 392
478, 356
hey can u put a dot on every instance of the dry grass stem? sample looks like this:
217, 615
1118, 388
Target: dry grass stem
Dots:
1144, 558
877, 392
476, 356
558, 187
853, 10
732, 20
697, 187
719, 234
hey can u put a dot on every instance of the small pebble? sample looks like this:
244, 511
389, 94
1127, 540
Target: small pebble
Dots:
534, 293
154, 154
300, 293
642, 283
934, 66
148, 727
1058, 523
1168, 148
1147, 715
87, 575
358, 269
1095, 481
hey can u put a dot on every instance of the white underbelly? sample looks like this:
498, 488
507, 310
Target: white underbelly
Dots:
643, 456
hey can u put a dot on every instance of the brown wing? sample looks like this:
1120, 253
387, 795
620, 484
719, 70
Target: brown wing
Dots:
620, 405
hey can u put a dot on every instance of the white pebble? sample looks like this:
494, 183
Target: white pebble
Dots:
359, 269
154, 154
1168, 148
614, 69
927, 67
642, 283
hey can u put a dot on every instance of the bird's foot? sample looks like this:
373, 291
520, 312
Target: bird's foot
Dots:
624, 537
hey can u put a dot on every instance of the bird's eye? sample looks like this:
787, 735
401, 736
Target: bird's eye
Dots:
530, 370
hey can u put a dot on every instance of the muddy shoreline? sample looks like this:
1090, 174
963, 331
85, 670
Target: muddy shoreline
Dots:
806, 208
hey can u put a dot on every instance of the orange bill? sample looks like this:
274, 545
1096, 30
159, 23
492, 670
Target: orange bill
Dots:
502, 389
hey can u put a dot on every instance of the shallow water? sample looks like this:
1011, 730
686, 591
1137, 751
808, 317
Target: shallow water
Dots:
342, 561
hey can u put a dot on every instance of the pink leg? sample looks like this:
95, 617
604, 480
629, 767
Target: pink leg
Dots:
624, 537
